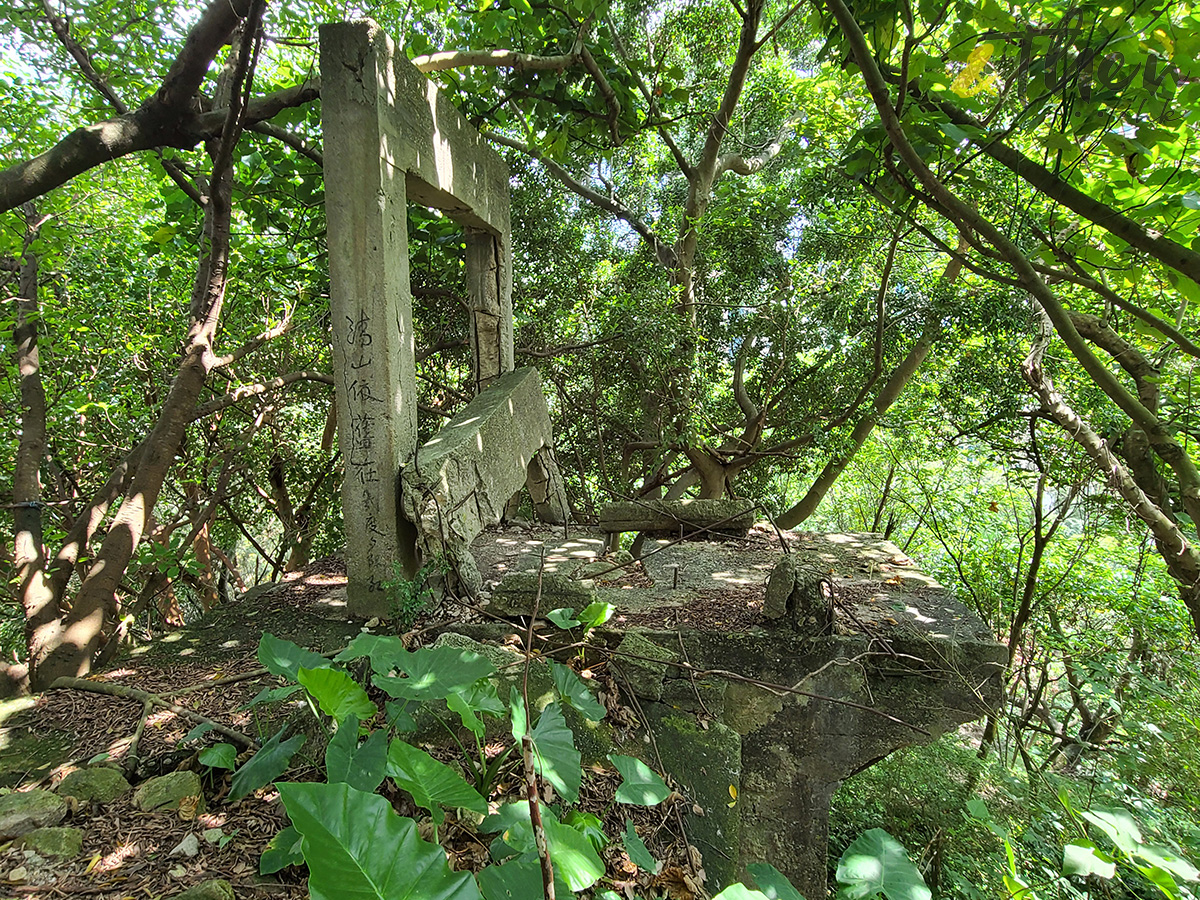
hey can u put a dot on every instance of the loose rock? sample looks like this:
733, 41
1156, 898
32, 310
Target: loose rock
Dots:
63, 841
24, 811
217, 889
166, 791
100, 784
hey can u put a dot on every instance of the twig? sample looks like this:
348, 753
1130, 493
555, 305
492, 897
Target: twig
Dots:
531, 790
131, 693
131, 757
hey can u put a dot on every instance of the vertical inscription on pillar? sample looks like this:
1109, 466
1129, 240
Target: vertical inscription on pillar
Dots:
370, 306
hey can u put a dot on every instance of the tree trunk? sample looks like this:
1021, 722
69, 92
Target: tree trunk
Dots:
88, 624
29, 551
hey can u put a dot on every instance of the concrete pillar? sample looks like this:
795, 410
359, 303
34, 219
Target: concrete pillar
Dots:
489, 286
546, 488
371, 309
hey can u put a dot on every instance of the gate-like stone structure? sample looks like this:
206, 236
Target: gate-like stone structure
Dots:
391, 138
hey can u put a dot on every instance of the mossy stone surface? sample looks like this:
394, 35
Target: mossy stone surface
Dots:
22, 812
56, 841
216, 889
707, 765
167, 791
99, 784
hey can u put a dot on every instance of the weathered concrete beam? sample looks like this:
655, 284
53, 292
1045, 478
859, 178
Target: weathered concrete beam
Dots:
464, 475
730, 517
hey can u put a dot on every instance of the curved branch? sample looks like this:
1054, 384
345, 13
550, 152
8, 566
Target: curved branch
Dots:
969, 220
497, 59
1171, 254
257, 390
295, 141
606, 91
665, 254
733, 162
1182, 558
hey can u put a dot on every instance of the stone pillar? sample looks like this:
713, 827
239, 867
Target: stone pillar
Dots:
489, 286
371, 309
546, 488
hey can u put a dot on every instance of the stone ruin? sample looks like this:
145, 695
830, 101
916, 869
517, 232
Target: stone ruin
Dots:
390, 137
768, 666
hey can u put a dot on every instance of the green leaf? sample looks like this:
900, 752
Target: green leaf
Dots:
589, 826
266, 765
198, 732
595, 614
739, 892
399, 718
282, 851
360, 766
1081, 858
563, 617
386, 652
1167, 860
640, 785
516, 880
280, 657
357, 847
1120, 826
431, 783
572, 854
219, 756
338, 694
636, 848
436, 672
575, 692
876, 863
481, 697
772, 882
554, 753
271, 695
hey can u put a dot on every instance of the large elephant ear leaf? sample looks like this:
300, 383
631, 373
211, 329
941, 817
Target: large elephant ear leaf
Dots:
434, 673
432, 784
280, 657
266, 765
356, 846
772, 882
339, 695
640, 785
361, 766
876, 863
555, 756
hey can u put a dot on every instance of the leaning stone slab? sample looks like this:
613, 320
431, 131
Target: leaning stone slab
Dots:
23, 811
62, 842
698, 517
464, 476
100, 784
216, 889
517, 594
167, 791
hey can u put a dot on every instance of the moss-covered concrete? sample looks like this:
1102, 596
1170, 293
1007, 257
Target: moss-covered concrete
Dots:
706, 763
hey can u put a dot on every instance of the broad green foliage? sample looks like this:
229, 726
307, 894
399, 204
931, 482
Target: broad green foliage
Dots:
877, 865
271, 761
362, 766
338, 694
636, 848
640, 785
355, 845
432, 784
